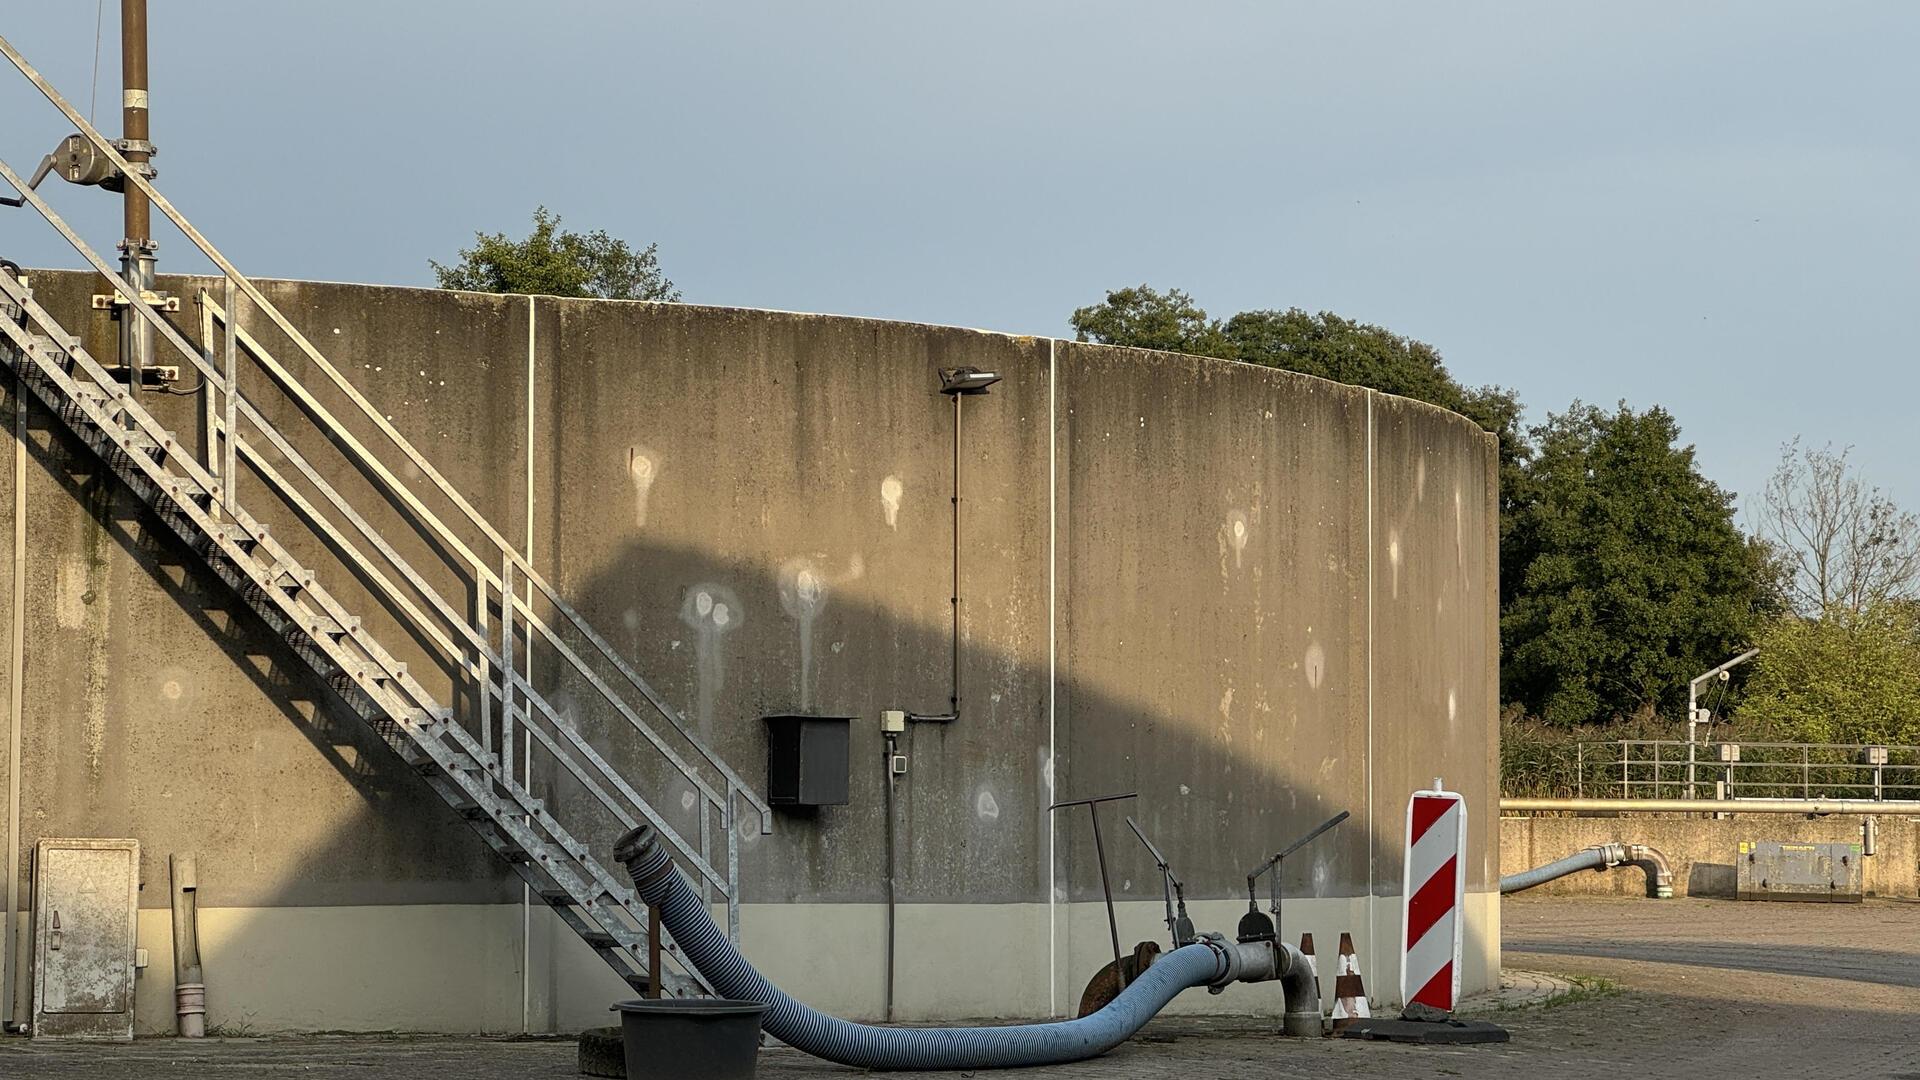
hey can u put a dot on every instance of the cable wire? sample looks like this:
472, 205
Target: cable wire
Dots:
99, 21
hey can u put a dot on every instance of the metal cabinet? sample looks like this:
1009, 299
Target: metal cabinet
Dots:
86, 896
1823, 873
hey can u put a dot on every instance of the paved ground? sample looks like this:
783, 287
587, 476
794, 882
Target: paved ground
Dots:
1707, 990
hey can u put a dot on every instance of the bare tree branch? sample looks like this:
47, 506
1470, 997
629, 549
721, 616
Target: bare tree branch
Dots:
1841, 543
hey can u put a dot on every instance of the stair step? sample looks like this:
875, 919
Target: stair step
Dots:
373, 684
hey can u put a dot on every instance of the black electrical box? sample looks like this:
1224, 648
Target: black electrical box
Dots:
807, 760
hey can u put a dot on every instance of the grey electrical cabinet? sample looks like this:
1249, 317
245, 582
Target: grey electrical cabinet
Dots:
86, 895
1822, 873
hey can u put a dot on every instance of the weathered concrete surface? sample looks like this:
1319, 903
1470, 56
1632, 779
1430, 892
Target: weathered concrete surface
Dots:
1255, 597
1784, 990
1702, 850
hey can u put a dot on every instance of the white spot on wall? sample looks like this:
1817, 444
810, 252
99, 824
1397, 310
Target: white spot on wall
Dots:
170, 690
803, 593
1226, 704
1236, 533
712, 611
630, 619
986, 806
1314, 665
1459, 538
890, 491
1453, 706
686, 800
1393, 558
837, 646
643, 467
1185, 790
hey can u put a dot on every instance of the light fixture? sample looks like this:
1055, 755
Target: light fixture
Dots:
966, 380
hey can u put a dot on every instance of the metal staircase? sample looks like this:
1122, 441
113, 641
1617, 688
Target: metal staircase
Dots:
496, 740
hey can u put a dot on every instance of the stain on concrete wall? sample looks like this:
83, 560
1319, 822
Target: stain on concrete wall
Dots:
1254, 597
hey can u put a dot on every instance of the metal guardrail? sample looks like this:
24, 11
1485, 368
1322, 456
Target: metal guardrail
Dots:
1729, 770
1513, 805
511, 719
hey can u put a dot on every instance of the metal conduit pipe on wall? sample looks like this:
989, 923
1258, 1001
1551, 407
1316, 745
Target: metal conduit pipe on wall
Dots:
1599, 857
1213, 963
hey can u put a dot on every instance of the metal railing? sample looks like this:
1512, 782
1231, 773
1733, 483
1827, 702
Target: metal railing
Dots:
1662, 769
511, 603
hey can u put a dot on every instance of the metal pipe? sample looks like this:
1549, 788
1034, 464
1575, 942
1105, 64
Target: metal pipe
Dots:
1659, 871
189, 983
892, 869
955, 698
11, 962
137, 249
1703, 806
1599, 857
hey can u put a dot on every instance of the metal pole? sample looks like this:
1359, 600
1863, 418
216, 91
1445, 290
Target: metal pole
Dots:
1100, 851
1113, 926
956, 557
653, 950
137, 249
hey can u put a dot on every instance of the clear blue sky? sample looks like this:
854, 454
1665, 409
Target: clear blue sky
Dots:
1709, 206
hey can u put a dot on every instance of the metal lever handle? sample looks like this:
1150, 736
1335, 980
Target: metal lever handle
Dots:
39, 174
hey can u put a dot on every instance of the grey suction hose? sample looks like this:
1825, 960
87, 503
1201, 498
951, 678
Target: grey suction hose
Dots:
1598, 857
865, 1046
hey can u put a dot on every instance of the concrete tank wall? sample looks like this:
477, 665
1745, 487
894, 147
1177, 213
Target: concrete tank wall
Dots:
1256, 598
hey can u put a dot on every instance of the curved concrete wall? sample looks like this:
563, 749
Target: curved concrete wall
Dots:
1254, 597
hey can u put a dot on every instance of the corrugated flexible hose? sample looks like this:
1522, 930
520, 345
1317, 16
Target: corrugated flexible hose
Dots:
865, 1046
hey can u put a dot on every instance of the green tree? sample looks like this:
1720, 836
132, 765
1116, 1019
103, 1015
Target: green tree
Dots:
552, 261
1626, 574
1144, 318
1852, 676
1325, 345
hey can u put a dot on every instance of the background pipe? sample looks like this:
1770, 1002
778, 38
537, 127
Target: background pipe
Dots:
1598, 857
702, 943
189, 983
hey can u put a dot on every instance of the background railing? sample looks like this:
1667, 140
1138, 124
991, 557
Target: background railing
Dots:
1660, 769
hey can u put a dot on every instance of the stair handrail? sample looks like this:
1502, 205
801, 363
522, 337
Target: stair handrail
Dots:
512, 555
512, 680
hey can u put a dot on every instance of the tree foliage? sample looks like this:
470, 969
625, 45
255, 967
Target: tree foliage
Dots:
1325, 345
1839, 542
1852, 676
552, 261
1625, 573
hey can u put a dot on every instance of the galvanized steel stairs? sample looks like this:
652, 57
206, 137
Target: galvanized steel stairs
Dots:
468, 759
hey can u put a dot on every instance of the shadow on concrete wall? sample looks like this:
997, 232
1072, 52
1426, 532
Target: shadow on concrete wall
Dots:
837, 854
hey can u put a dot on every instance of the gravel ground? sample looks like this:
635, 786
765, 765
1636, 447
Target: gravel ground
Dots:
1706, 990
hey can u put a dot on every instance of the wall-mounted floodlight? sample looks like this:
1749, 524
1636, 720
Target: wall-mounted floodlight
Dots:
966, 380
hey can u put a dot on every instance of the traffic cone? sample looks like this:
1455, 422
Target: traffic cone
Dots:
1306, 950
1349, 993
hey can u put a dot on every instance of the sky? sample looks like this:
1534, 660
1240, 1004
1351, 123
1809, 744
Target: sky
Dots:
1705, 206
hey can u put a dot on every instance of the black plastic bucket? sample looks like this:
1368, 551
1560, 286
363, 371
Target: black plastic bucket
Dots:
690, 1038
